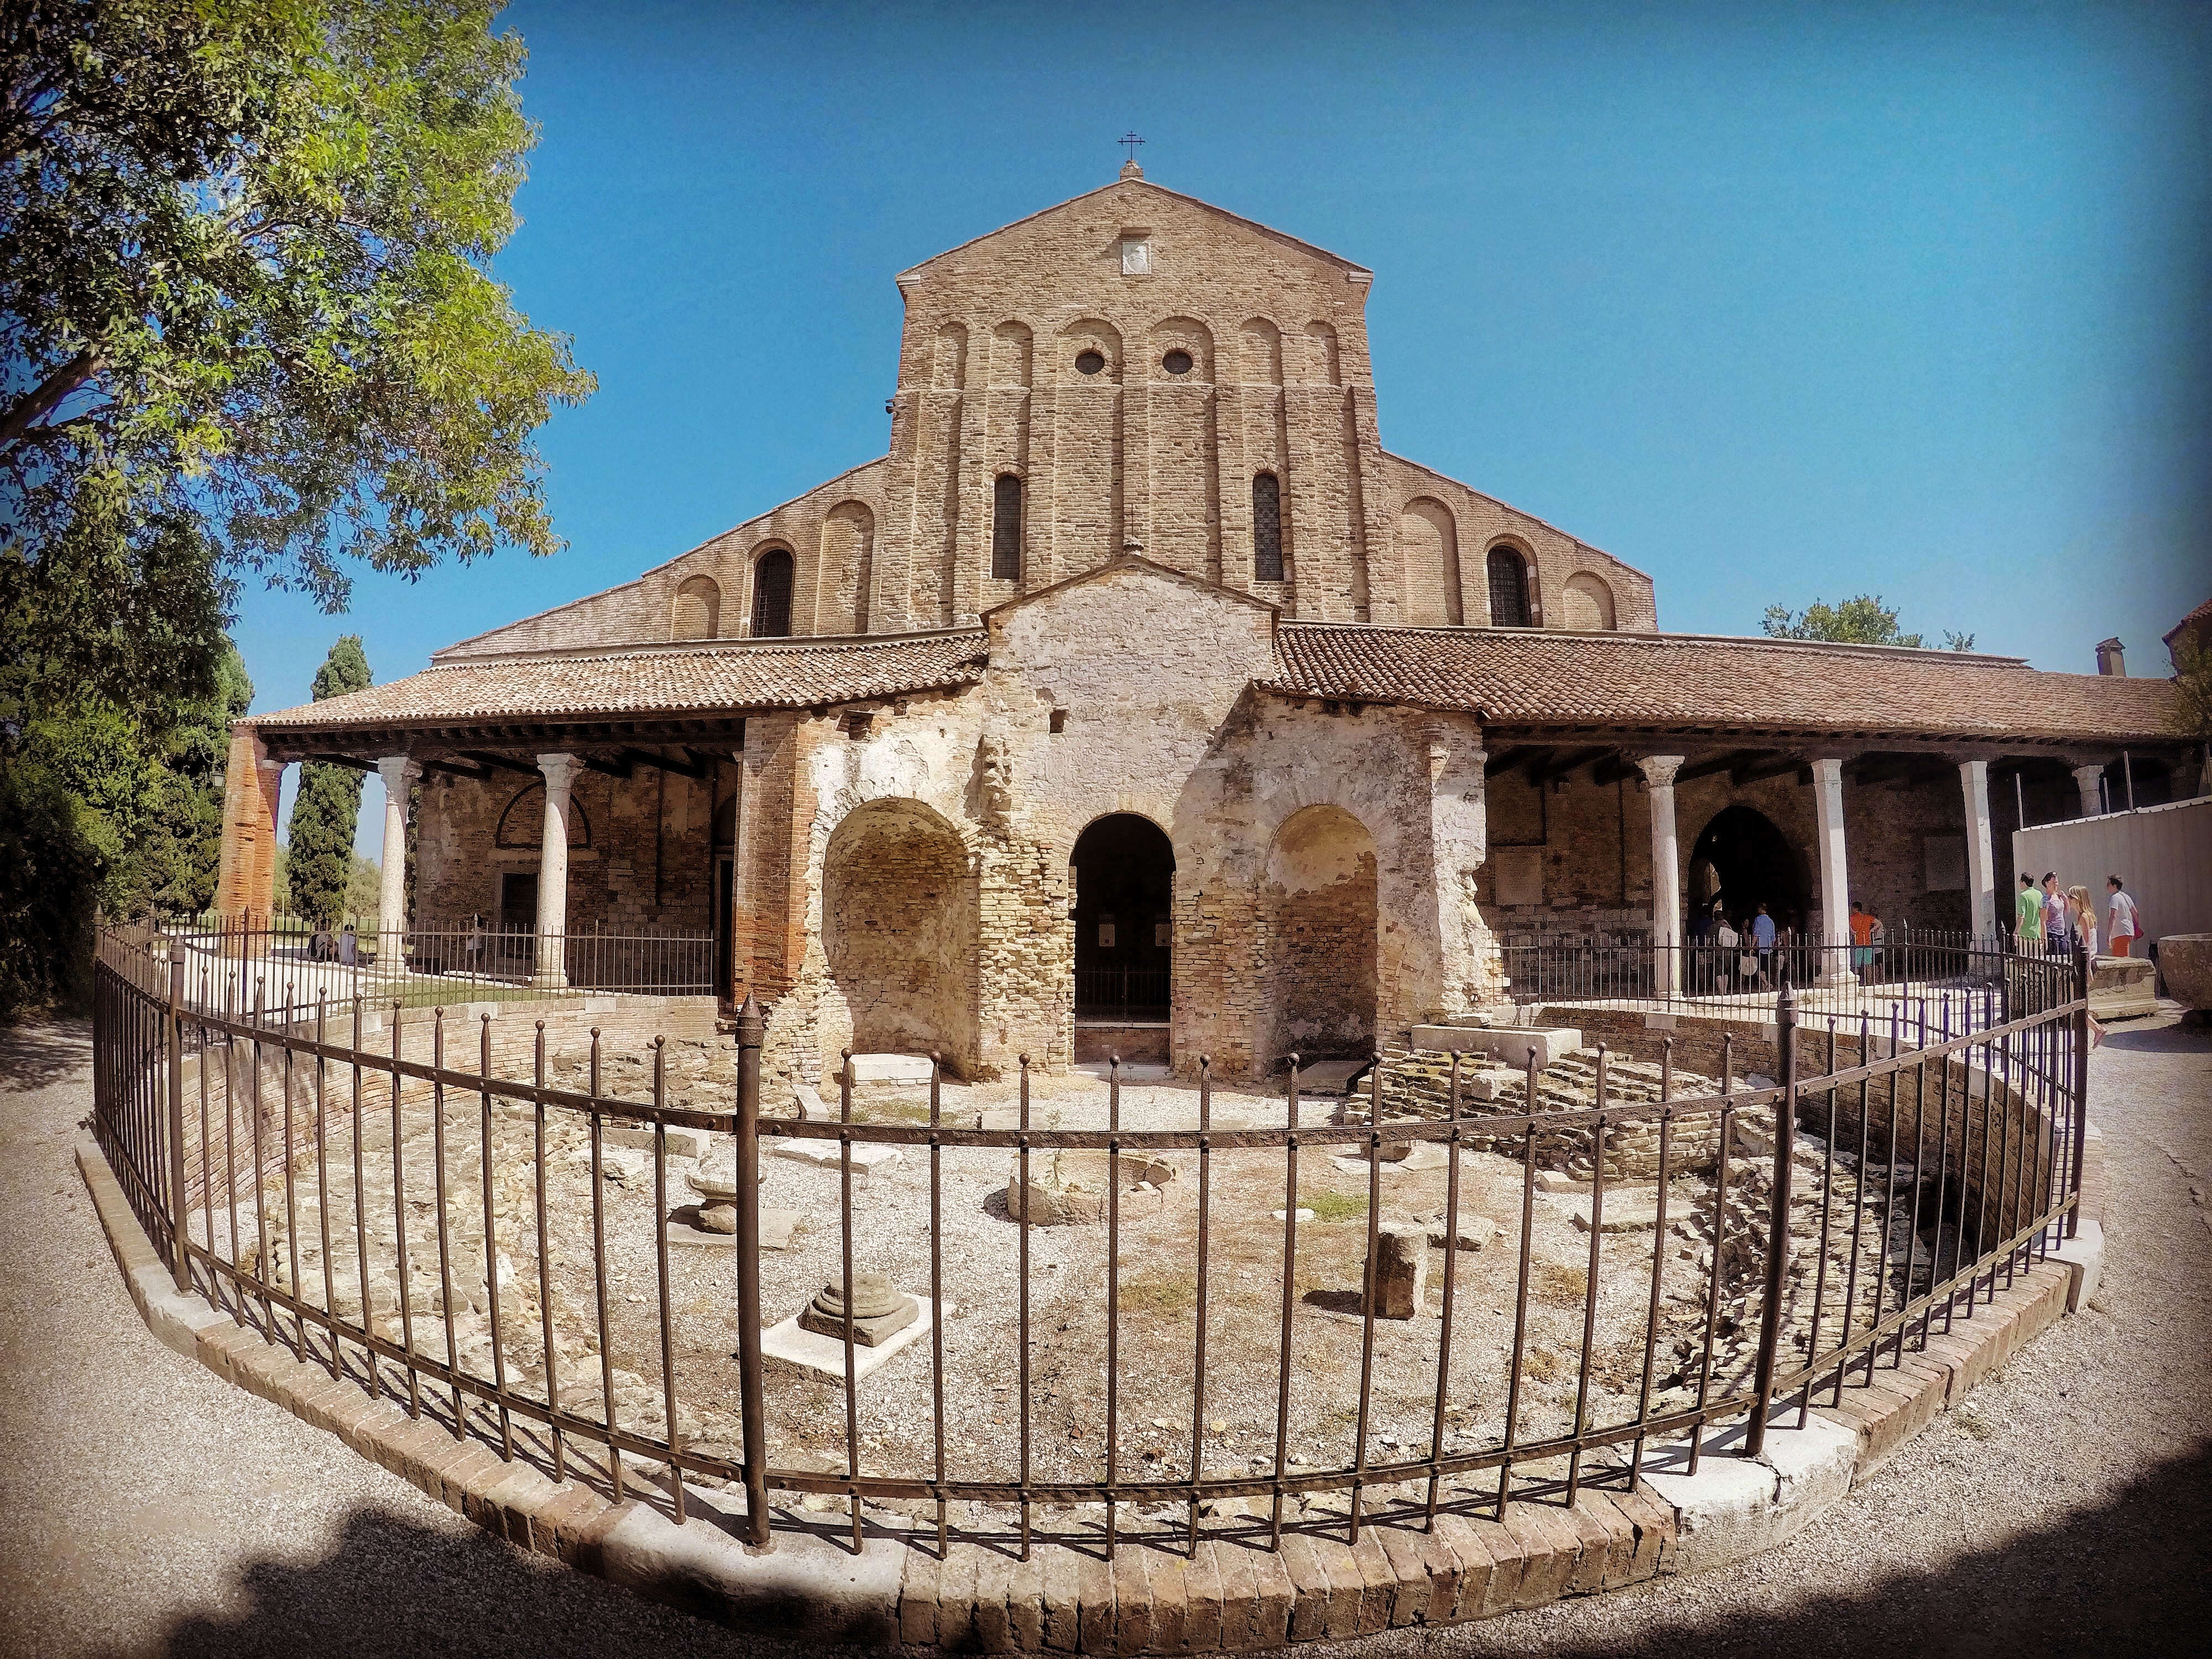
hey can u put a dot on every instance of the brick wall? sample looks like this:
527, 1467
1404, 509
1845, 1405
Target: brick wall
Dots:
988, 383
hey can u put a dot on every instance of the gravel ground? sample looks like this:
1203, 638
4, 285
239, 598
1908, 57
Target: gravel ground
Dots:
2061, 1514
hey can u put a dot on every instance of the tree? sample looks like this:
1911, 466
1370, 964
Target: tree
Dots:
245, 296
1864, 620
247, 326
2192, 680
366, 890
328, 805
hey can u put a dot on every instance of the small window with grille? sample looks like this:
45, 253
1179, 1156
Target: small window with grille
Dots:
1509, 589
772, 594
1007, 529
1266, 529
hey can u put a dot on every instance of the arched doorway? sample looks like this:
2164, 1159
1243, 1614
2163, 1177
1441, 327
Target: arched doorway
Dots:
1123, 867
898, 934
1742, 862
1319, 897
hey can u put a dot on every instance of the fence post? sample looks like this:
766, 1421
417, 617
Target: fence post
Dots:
752, 1404
179, 1263
1778, 1232
2081, 1080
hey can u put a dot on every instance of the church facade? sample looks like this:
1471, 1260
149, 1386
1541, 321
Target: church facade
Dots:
1138, 697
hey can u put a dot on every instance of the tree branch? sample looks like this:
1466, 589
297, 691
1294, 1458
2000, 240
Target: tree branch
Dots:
29, 410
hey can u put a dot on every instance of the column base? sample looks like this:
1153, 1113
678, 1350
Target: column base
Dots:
550, 979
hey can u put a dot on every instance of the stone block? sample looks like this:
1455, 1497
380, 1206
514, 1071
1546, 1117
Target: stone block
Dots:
1628, 1210
1476, 1232
868, 1157
803, 1352
1401, 1271
1510, 1046
777, 1227
890, 1068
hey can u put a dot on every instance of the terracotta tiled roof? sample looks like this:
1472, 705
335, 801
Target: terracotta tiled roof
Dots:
727, 678
1514, 676
2200, 617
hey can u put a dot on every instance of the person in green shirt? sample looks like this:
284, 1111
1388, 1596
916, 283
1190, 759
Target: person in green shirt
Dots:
2027, 913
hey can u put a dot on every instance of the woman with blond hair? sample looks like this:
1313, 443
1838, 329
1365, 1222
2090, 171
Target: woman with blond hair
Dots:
2083, 921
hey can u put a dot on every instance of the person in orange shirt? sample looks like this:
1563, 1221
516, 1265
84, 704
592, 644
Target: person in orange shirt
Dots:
1866, 928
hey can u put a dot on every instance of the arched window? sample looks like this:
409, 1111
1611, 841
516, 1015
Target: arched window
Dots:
1509, 589
772, 594
1266, 528
1007, 529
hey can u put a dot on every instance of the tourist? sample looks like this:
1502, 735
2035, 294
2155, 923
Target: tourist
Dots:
475, 947
2084, 919
2027, 915
2123, 923
1762, 944
319, 948
1726, 941
2057, 932
1863, 931
347, 946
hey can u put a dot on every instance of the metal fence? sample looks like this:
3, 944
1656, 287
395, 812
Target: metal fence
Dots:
1905, 1169
1131, 994
1838, 976
239, 967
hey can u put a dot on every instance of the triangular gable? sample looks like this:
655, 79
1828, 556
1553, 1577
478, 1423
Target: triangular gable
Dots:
1123, 561
1252, 225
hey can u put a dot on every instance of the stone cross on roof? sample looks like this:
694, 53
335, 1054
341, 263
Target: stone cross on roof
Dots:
1129, 141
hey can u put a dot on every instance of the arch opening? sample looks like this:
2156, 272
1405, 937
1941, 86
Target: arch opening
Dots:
1319, 897
1588, 602
1741, 861
1509, 588
898, 937
1123, 872
772, 582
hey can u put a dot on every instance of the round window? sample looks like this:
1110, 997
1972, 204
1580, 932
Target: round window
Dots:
1177, 362
1089, 362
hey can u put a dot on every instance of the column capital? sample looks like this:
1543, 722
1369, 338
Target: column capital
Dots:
560, 771
1659, 770
398, 771
2088, 775
1828, 769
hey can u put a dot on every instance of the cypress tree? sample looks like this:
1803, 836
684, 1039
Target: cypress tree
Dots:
329, 803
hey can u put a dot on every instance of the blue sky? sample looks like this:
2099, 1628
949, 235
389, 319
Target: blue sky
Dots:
1776, 303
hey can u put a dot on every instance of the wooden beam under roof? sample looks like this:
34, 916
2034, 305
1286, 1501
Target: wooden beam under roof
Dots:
1508, 759
1727, 760
1759, 771
1563, 762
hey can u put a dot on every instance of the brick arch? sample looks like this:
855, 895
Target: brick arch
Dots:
1260, 352
845, 568
1091, 333
522, 822
1320, 907
899, 932
1428, 555
695, 612
1187, 334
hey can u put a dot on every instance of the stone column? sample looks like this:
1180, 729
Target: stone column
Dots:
560, 772
398, 773
1665, 870
1981, 856
2089, 780
1835, 873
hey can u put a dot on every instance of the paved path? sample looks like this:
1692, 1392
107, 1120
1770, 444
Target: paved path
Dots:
146, 1508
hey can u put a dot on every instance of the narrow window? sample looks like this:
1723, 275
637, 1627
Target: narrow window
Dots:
772, 595
1007, 529
1509, 589
1266, 529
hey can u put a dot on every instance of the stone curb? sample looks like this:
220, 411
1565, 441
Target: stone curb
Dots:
1231, 1595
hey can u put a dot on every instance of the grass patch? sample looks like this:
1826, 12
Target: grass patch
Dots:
1333, 1207
1158, 1293
1542, 1365
1560, 1285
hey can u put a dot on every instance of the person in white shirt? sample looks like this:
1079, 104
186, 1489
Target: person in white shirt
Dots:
2122, 925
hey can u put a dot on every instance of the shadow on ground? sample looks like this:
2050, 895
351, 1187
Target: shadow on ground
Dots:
43, 1051
2124, 1576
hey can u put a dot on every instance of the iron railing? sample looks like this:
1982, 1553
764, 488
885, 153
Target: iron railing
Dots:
238, 966
1122, 994
264, 1155
1835, 976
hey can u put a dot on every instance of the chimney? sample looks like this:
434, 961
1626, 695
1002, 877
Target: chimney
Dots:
2109, 661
